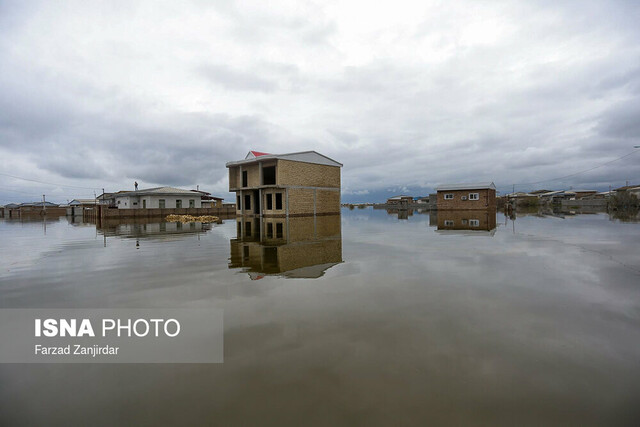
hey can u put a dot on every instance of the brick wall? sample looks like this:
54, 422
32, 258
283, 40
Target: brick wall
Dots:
307, 174
487, 200
327, 201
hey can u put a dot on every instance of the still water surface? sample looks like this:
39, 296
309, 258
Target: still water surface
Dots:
368, 318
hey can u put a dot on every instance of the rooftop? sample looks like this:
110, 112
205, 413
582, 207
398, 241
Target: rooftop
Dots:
302, 156
467, 186
160, 191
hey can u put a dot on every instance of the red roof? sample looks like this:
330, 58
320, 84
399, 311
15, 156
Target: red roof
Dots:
258, 153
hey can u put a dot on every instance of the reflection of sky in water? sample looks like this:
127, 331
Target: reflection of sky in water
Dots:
540, 326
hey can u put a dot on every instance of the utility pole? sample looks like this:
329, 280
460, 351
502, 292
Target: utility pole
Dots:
44, 207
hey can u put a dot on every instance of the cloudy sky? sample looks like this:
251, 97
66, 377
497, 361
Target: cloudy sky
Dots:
407, 95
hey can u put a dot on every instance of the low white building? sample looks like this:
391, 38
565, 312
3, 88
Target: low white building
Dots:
158, 197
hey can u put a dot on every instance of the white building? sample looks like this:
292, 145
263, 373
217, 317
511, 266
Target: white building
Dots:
159, 197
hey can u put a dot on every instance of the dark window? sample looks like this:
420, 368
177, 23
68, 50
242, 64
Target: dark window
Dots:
238, 202
178, 204
245, 253
244, 178
160, 203
247, 229
269, 175
192, 203
278, 201
247, 202
270, 230
269, 202
279, 230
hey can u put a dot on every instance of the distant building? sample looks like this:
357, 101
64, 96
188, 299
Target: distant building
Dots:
38, 205
579, 194
466, 196
279, 185
209, 201
158, 197
400, 200
632, 189
77, 206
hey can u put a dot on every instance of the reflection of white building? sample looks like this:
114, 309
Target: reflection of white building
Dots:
159, 197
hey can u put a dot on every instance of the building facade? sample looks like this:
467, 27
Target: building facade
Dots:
466, 196
283, 185
158, 198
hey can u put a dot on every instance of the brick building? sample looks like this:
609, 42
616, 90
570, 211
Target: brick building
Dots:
283, 185
466, 196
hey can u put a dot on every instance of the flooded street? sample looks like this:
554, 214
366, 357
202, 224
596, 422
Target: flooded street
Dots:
368, 318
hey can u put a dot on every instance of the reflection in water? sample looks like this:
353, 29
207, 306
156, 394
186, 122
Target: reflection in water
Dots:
538, 327
146, 229
464, 221
300, 247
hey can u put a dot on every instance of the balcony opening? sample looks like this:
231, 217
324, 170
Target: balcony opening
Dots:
269, 175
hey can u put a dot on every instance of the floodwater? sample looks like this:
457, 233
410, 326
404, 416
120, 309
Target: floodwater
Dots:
368, 318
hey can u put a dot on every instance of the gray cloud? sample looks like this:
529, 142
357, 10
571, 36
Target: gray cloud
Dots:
408, 95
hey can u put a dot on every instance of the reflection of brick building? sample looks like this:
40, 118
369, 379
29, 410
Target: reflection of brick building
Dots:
293, 247
466, 196
280, 185
474, 220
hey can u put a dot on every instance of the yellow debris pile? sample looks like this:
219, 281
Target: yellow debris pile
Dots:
191, 218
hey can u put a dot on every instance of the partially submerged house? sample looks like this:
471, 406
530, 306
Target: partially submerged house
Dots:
283, 185
209, 201
77, 206
401, 200
480, 195
158, 197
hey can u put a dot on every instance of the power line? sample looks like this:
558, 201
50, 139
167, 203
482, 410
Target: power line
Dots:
48, 183
578, 173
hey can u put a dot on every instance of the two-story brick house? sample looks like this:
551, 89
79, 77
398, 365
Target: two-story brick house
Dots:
466, 196
281, 185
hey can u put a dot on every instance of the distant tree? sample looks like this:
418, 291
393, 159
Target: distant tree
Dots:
624, 200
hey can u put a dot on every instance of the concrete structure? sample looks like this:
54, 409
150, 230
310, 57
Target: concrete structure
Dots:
77, 206
284, 185
158, 198
466, 196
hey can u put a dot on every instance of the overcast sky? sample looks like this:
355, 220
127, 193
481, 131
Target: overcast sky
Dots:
407, 95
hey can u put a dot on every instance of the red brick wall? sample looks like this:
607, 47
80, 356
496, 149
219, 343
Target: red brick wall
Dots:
487, 199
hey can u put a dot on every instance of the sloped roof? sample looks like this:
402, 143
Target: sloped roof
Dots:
627, 187
302, 156
159, 191
399, 197
467, 186
253, 154
28, 204
82, 202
